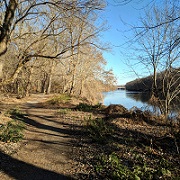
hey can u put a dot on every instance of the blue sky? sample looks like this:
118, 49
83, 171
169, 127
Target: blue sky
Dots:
119, 18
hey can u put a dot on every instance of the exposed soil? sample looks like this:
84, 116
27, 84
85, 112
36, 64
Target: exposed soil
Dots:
48, 149
57, 146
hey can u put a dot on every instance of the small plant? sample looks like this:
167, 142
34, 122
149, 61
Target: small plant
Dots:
111, 167
63, 111
62, 98
99, 130
13, 112
87, 107
84, 107
98, 106
12, 131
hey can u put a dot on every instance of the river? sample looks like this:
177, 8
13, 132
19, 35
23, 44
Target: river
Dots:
128, 99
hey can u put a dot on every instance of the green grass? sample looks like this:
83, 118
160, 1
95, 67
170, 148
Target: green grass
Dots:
63, 111
87, 107
12, 131
62, 98
98, 130
13, 112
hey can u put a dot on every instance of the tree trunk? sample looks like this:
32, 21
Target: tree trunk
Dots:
81, 88
72, 84
50, 77
5, 29
44, 83
27, 93
154, 88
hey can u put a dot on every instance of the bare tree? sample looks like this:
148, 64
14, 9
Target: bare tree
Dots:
39, 30
13, 12
152, 44
160, 46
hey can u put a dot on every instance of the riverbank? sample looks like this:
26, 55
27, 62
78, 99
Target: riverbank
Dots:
66, 138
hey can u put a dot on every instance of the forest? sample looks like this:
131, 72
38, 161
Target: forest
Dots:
146, 83
53, 47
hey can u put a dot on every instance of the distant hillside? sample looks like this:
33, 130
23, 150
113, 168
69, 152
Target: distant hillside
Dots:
145, 84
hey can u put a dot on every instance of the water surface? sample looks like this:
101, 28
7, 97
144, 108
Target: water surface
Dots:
128, 99
131, 99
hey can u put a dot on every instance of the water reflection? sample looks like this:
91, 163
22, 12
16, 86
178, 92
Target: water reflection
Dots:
138, 96
126, 98
130, 99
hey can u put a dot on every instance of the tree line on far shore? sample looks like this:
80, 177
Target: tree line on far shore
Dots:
166, 95
146, 84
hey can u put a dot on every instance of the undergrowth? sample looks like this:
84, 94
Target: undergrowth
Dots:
63, 111
87, 107
98, 130
62, 98
112, 167
133, 160
13, 112
12, 131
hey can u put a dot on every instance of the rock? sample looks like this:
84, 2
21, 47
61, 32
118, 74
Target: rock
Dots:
116, 109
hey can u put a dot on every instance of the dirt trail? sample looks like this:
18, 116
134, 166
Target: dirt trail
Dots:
46, 150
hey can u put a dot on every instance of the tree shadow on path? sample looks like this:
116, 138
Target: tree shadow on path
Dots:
21, 170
